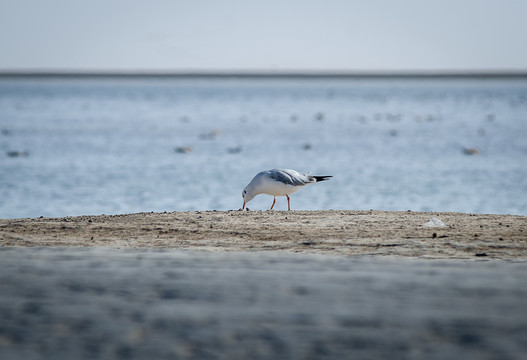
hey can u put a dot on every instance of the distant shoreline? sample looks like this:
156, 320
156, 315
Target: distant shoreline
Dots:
266, 74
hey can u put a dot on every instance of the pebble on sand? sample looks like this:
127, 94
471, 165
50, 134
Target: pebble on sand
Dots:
434, 222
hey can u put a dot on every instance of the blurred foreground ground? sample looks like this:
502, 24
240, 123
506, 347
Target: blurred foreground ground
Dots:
101, 303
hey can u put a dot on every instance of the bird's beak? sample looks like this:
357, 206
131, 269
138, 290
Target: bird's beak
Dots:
243, 207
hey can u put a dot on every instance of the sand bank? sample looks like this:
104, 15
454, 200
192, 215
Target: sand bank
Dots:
335, 232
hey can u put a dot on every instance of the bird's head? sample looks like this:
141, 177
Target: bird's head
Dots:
247, 196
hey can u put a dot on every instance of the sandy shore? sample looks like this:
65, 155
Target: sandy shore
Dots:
335, 232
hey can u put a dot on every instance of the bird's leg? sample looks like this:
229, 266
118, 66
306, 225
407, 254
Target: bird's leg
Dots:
288, 203
274, 201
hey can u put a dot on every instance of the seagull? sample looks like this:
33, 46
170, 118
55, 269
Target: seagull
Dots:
278, 182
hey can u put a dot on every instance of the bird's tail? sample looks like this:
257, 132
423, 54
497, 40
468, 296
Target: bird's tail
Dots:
321, 178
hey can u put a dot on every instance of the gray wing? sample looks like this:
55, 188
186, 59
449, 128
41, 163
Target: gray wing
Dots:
289, 177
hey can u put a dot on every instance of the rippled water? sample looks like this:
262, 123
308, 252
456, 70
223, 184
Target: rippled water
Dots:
72, 146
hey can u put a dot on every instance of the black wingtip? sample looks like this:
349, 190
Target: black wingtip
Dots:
322, 178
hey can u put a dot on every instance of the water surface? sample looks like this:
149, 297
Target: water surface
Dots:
74, 146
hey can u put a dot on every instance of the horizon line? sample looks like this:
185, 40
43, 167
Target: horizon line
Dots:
256, 73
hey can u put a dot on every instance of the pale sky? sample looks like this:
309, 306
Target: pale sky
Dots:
270, 35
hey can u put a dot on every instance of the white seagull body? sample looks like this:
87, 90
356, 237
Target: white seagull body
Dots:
278, 182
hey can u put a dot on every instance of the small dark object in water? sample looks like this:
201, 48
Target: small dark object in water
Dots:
184, 149
235, 150
307, 146
470, 151
210, 135
481, 254
17, 153
320, 117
